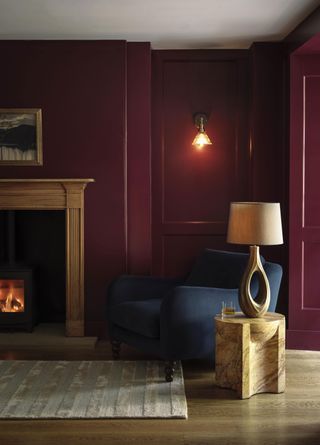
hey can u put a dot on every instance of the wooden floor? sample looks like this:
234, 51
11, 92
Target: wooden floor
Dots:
216, 416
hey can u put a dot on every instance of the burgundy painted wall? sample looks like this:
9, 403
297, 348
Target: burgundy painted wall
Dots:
95, 98
267, 121
304, 304
269, 145
192, 189
139, 157
81, 87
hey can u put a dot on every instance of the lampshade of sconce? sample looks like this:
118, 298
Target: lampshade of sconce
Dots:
201, 139
254, 223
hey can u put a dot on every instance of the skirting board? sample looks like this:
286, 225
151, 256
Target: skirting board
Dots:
307, 340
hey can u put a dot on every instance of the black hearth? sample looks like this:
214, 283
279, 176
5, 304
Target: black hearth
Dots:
16, 295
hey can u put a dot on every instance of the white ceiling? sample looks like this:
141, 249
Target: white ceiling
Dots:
165, 23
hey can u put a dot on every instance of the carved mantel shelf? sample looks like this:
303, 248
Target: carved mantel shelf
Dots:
57, 194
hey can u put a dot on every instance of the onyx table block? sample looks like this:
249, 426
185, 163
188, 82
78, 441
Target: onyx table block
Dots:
250, 354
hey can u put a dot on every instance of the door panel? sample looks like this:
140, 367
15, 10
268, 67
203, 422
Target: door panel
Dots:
304, 270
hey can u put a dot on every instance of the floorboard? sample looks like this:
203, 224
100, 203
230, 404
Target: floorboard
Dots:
216, 416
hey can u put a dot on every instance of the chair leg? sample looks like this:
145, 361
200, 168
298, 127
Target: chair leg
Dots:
169, 370
116, 345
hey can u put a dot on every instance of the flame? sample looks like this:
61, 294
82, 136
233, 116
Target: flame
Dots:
8, 305
11, 303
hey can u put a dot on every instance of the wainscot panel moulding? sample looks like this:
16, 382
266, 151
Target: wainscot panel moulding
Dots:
57, 194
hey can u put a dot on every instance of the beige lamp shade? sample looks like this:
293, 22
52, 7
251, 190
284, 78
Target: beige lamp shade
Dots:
255, 223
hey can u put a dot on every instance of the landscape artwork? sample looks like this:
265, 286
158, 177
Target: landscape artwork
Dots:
20, 136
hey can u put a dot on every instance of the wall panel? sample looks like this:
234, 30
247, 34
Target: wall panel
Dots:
192, 189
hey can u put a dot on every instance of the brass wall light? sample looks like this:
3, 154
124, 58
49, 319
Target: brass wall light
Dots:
201, 139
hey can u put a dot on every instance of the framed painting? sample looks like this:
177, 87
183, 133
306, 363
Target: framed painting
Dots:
20, 136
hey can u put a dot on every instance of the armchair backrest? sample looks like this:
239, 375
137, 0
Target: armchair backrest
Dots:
221, 269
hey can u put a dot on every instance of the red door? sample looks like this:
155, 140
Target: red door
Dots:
304, 268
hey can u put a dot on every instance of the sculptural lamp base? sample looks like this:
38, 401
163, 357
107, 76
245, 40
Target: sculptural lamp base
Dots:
258, 306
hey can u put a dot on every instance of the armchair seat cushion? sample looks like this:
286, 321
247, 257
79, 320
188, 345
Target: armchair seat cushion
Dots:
141, 317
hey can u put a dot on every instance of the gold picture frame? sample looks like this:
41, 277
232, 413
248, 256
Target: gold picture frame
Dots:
21, 136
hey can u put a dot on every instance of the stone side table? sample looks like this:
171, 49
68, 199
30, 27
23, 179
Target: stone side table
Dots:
250, 353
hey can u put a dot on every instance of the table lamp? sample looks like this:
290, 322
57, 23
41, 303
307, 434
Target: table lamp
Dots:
255, 224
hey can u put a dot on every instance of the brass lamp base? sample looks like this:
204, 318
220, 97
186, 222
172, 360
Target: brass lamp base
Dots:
254, 307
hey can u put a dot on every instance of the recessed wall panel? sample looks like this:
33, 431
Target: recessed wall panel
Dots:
311, 156
198, 184
310, 270
191, 188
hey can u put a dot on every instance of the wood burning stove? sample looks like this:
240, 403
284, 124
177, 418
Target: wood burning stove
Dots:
16, 295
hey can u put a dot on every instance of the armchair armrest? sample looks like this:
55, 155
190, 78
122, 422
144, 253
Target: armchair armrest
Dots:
134, 287
187, 320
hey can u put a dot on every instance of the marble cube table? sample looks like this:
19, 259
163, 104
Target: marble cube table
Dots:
250, 353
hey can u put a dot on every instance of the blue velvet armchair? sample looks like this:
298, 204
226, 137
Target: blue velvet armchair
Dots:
174, 318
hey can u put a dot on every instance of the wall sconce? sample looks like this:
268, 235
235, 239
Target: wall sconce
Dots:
201, 139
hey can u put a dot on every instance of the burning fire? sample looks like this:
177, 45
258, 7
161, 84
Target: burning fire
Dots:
12, 296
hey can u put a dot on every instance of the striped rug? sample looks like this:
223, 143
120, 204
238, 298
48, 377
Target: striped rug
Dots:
89, 389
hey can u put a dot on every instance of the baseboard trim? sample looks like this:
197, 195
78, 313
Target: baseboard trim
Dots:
307, 340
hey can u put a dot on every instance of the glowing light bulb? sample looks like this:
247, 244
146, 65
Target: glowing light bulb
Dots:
201, 138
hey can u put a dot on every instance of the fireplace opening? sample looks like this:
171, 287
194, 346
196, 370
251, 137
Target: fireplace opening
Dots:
32, 271
41, 243
16, 296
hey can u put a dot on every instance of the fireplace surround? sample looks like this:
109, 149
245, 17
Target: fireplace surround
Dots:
57, 194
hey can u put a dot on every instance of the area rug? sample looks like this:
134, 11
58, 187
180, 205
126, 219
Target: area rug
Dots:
89, 389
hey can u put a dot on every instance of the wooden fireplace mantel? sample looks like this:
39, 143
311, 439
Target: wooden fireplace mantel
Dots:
57, 194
